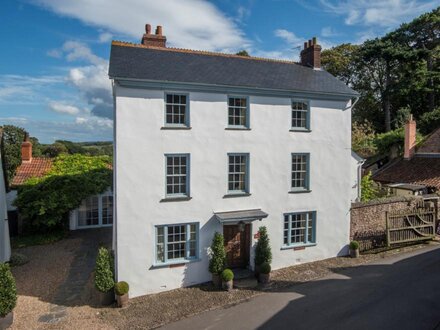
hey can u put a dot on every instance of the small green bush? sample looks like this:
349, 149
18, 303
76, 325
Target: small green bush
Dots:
227, 275
121, 288
8, 290
265, 268
263, 252
354, 245
218, 257
104, 281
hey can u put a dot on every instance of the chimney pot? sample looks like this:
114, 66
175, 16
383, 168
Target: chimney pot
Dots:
154, 40
147, 28
311, 55
305, 45
309, 43
410, 138
159, 30
314, 41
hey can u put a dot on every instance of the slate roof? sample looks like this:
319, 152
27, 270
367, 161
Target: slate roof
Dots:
244, 215
139, 62
37, 167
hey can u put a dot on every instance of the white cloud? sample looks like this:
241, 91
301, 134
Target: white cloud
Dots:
190, 24
328, 31
75, 50
63, 108
288, 36
105, 37
56, 53
384, 13
93, 121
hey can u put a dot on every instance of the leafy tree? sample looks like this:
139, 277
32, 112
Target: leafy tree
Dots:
13, 136
8, 290
55, 149
368, 188
340, 61
362, 139
218, 254
429, 121
104, 279
45, 202
263, 251
402, 117
242, 53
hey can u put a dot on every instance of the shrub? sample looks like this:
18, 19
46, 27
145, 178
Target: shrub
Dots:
227, 275
263, 252
8, 291
121, 288
265, 268
368, 188
218, 254
354, 245
104, 281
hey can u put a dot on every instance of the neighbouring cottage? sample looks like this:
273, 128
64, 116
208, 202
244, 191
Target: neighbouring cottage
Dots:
208, 142
419, 169
95, 211
5, 244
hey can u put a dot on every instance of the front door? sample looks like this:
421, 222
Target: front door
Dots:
237, 245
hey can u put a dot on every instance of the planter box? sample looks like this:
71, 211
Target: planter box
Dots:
354, 253
122, 300
264, 278
6, 322
106, 298
229, 285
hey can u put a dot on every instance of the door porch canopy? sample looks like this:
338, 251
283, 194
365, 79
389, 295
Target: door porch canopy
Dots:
244, 216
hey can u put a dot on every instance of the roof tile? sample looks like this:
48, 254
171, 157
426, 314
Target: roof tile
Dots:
37, 167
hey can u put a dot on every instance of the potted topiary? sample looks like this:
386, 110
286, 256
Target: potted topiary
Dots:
228, 277
263, 252
354, 249
8, 296
217, 260
264, 276
104, 281
121, 291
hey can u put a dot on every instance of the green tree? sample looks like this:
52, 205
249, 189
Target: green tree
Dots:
218, 254
242, 53
8, 290
368, 188
429, 121
104, 278
340, 61
13, 136
263, 252
53, 150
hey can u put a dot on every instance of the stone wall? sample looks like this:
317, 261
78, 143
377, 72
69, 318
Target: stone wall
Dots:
368, 222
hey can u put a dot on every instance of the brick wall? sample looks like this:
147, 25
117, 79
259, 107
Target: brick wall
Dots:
368, 223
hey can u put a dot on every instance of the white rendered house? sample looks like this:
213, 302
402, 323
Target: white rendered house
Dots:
208, 142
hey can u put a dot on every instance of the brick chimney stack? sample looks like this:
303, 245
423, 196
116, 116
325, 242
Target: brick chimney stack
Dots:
26, 150
155, 40
410, 138
311, 54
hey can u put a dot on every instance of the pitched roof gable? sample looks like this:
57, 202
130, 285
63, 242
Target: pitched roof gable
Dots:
431, 144
139, 62
37, 167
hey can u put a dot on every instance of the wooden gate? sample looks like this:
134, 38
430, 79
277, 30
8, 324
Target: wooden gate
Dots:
404, 226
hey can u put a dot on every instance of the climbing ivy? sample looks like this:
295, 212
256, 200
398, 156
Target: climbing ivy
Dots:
45, 202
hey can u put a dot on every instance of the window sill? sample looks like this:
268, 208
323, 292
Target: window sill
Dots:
175, 127
174, 263
300, 191
302, 130
299, 246
238, 128
232, 195
176, 199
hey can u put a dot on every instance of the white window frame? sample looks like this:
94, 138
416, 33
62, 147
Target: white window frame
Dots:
247, 112
305, 128
187, 174
310, 215
100, 212
306, 186
247, 174
187, 257
186, 123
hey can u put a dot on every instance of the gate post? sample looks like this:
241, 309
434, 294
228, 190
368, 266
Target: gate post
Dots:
387, 228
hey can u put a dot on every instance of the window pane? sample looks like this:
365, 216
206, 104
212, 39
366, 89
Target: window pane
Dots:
237, 176
300, 171
175, 109
237, 111
300, 115
176, 173
107, 210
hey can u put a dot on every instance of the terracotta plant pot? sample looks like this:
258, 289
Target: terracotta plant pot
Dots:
229, 285
354, 253
6, 322
122, 300
216, 281
106, 298
264, 278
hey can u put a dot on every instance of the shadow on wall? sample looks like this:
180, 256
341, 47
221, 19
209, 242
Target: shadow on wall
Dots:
403, 295
197, 272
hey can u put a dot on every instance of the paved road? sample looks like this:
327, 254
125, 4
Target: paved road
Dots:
401, 292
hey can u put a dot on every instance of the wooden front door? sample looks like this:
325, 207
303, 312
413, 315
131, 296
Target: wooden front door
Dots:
237, 245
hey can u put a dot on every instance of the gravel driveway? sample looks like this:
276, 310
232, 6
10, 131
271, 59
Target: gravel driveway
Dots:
55, 289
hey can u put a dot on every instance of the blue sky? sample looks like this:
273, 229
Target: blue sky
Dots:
54, 58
